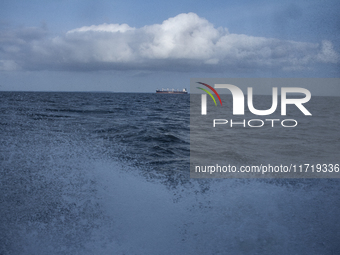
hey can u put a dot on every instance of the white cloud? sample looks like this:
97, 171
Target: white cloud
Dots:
184, 36
184, 42
113, 28
327, 53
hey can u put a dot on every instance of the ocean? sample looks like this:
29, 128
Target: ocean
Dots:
108, 173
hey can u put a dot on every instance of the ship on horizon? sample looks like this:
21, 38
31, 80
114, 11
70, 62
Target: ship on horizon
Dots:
171, 91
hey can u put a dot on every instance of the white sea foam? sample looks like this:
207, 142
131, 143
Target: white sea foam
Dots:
123, 213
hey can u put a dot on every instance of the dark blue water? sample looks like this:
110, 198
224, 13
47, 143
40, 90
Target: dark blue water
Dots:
104, 173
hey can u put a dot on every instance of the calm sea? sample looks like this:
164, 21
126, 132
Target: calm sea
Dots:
108, 173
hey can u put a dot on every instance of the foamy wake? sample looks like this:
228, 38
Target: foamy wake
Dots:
75, 203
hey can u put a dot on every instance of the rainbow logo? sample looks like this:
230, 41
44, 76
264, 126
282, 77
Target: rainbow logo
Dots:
208, 92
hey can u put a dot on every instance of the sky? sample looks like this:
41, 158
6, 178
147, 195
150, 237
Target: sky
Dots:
139, 46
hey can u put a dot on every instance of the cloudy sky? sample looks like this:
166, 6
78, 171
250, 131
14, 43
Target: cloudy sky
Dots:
138, 46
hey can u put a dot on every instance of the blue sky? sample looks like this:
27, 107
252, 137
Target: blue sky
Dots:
138, 46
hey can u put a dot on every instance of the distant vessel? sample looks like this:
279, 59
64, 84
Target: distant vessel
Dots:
171, 91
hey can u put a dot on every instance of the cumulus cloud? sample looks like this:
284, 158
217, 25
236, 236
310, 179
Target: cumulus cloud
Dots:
185, 42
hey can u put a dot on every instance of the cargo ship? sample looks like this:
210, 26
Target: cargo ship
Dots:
171, 91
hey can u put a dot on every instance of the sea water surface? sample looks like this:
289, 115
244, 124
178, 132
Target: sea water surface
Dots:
108, 173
